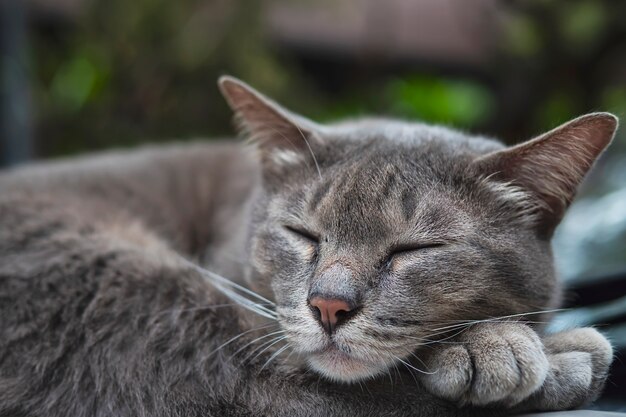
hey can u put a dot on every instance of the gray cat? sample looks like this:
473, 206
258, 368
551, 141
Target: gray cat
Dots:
375, 267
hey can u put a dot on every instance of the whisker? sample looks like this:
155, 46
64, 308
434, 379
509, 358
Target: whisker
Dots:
273, 342
430, 337
308, 145
297, 148
246, 303
268, 344
229, 341
408, 365
212, 276
427, 341
239, 287
256, 340
256, 348
275, 355
447, 337
422, 362
289, 356
206, 307
461, 327
491, 319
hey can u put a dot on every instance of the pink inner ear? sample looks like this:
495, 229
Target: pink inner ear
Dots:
552, 165
261, 119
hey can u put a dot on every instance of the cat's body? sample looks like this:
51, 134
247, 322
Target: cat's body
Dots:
97, 321
101, 316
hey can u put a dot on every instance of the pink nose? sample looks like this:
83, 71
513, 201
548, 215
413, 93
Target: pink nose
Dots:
331, 311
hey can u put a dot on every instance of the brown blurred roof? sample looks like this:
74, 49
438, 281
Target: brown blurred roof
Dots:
452, 32
448, 31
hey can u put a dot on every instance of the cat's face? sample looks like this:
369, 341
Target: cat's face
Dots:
373, 238
402, 232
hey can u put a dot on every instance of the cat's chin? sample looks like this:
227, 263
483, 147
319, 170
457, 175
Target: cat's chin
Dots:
341, 367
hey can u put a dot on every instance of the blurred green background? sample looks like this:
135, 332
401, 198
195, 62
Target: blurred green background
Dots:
108, 73
87, 75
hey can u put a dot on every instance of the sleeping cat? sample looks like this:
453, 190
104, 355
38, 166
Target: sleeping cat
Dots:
366, 268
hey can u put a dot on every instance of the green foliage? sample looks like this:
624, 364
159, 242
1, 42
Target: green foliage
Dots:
522, 37
440, 100
145, 70
75, 83
582, 23
614, 100
556, 109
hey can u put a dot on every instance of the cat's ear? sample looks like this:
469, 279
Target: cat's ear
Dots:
282, 136
551, 166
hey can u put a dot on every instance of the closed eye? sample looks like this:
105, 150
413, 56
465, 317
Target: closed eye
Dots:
413, 247
303, 234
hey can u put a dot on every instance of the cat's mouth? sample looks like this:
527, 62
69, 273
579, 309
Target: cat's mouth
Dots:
338, 365
345, 356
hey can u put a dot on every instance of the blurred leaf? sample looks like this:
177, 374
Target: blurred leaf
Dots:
73, 83
521, 36
352, 105
558, 108
582, 22
614, 100
457, 102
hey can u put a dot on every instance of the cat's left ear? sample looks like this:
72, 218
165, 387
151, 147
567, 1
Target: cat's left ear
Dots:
552, 165
282, 136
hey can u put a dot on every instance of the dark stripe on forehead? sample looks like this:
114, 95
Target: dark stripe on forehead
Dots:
409, 202
320, 193
390, 182
333, 185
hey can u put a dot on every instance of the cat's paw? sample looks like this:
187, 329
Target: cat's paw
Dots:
489, 363
579, 364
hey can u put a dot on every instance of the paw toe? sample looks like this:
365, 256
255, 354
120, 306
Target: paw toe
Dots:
496, 373
569, 381
533, 367
451, 373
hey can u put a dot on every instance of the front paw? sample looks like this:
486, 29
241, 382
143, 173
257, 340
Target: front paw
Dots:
488, 363
579, 364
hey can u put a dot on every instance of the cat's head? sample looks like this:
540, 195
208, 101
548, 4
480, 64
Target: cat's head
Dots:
373, 237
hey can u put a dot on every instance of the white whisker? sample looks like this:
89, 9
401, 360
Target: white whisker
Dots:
459, 331
246, 303
213, 277
239, 336
414, 368
409, 369
206, 307
492, 319
256, 340
278, 352
273, 342
235, 285
308, 145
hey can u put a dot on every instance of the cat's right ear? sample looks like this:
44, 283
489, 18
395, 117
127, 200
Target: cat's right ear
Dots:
551, 166
282, 137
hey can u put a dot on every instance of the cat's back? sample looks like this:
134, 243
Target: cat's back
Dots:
150, 162
173, 189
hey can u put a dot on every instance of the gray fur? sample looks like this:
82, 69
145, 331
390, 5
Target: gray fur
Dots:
101, 316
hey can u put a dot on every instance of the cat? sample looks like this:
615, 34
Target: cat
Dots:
365, 268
